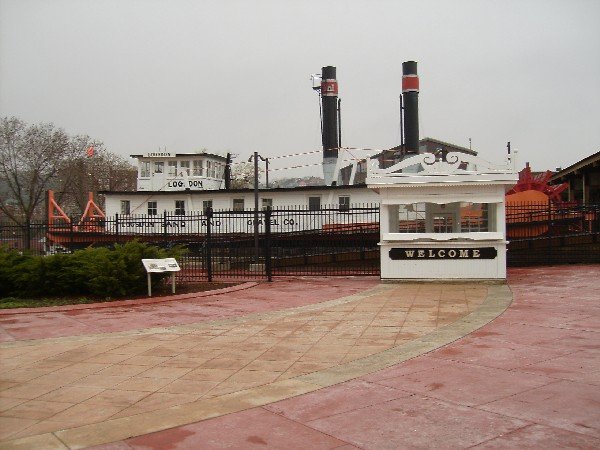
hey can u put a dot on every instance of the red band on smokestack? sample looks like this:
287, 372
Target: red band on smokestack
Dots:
410, 83
329, 88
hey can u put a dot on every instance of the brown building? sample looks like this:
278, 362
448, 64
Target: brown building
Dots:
583, 178
388, 158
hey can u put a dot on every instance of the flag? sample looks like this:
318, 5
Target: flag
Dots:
90, 151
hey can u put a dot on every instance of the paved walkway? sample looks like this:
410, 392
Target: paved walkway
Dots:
334, 374
177, 310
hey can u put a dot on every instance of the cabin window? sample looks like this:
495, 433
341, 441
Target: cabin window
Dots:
238, 204
314, 203
210, 169
159, 166
206, 204
344, 202
267, 203
180, 207
172, 168
185, 166
125, 207
198, 168
152, 208
145, 169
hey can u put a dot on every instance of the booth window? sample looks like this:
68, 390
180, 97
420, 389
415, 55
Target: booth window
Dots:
159, 166
206, 204
458, 217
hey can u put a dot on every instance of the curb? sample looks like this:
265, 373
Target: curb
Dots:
137, 302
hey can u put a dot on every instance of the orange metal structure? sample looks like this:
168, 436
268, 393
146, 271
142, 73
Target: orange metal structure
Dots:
92, 216
537, 183
55, 212
61, 229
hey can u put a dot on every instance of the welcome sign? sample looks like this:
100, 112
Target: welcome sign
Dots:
443, 253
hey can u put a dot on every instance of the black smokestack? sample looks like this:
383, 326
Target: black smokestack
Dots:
410, 97
329, 98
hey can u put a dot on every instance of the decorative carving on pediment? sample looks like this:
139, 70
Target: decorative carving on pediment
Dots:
439, 163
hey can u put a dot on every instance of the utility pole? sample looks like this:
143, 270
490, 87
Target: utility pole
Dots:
256, 156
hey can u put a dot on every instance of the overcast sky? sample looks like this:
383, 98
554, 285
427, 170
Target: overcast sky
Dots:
234, 75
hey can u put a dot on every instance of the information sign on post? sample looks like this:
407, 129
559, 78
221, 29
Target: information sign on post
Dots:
160, 266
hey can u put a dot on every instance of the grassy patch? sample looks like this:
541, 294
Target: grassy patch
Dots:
13, 302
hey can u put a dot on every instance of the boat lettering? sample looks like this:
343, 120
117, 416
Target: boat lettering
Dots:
182, 184
261, 222
213, 223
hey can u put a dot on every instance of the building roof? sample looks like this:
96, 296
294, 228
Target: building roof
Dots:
214, 155
448, 144
591, 161
234, 191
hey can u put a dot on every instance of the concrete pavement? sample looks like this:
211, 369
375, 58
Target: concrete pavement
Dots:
357, 371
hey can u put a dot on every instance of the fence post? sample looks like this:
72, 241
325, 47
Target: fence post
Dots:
117, 225
165, 233
268, 267
550, 230
71, 234
209, 216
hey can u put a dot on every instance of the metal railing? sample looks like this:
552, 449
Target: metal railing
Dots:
549, 233
335, 240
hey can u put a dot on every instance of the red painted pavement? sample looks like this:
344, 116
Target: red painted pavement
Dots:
162, 312
529, 379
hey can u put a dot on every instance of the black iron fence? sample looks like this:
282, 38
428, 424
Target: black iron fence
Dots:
549, 233
338, 240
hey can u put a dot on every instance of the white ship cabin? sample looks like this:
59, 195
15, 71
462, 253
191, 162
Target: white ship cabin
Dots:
188, 183
166, 171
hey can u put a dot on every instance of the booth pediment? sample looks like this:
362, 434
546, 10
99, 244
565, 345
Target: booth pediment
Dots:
440, 170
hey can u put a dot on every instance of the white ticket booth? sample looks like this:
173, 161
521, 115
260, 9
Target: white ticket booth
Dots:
442, 217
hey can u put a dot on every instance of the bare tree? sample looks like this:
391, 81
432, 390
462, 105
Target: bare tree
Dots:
242, 175
103, 171
30, 157
35, 158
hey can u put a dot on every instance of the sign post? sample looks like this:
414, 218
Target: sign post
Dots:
160, 266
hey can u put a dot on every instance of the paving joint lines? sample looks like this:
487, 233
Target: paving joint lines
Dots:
498, 298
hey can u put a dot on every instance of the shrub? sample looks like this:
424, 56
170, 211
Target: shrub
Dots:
9, 261
94, 271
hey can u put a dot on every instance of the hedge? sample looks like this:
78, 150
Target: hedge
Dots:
101, 272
